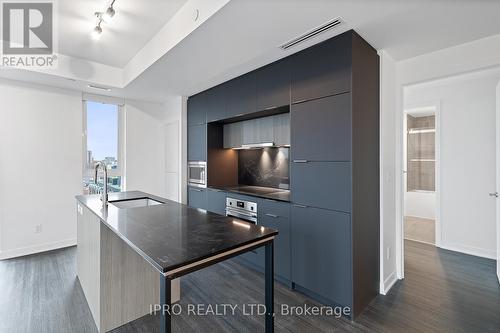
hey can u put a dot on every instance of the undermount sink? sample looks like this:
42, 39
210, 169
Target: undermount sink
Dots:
134, 203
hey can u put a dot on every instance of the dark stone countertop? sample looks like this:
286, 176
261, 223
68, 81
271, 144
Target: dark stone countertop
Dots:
172, 235
257, 191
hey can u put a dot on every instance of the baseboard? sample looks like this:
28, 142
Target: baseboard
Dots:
474, 251
387, 284
24, 251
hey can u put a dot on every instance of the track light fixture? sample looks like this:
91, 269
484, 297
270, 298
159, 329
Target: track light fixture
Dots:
105, 17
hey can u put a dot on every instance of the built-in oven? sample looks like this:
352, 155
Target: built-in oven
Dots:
244, 210
197, 173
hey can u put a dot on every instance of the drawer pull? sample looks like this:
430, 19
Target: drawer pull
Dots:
197, 190
272, 215
300, 161
299, 206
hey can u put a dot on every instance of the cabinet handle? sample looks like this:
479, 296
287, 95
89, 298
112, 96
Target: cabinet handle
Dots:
197, 190
300, 101
299, 206
272, 215
270, 108
300, 161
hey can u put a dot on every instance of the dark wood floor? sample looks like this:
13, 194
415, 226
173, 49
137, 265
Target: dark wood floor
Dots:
443, 291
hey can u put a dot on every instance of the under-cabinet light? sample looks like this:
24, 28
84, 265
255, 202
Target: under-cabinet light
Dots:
256, 145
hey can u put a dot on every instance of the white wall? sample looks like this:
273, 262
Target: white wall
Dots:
480, 54
155, 154
41, 162
144, 148
467, 136
420, 204
388, 245
40, 166
175, 149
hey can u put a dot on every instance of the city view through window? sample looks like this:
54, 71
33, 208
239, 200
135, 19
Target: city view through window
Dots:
102, 146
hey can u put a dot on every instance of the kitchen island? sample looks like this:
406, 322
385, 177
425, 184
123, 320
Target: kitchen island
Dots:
129, 253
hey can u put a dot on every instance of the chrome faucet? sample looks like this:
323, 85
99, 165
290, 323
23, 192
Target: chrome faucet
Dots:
104, 196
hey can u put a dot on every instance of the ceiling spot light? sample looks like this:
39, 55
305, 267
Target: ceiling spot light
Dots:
105, 17
97, 32
109, 14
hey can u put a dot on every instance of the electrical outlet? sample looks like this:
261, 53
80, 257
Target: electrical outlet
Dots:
38, 228
388, 253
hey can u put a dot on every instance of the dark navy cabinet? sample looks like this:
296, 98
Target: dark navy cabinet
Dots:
321, 252
322, 70
322, 184
216, 201
197, 142
273, 85
197, 109
328, 241
241, 95
197, 197
334, 177
322, 129
276, 215
216, 103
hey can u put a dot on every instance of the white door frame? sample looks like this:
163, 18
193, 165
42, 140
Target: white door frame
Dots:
400, 190
497, 131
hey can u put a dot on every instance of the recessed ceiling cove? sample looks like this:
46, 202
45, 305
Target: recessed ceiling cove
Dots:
134, 24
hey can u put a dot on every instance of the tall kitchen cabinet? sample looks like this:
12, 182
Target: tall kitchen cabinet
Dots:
197, 127
335, 171
324, 103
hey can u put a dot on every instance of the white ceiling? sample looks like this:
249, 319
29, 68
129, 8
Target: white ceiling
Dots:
134, 24
244, 35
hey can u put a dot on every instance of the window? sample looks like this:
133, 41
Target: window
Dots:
421, 153
101, 144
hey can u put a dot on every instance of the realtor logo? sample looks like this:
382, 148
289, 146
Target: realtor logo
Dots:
28, 34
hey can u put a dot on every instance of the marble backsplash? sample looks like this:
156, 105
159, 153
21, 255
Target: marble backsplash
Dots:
269, 167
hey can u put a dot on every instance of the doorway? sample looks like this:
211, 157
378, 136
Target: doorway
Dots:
420, 176
465, 161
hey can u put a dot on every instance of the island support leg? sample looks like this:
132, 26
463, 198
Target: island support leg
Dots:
165, 304
269, 287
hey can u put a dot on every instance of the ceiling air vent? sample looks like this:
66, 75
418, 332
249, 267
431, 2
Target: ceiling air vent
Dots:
312, 33
91, 86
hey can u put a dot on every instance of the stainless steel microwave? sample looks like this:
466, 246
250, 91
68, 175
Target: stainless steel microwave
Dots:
197, 174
